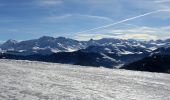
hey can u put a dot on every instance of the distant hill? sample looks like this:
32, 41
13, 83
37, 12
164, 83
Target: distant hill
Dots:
158, 61
76, 58
155, 63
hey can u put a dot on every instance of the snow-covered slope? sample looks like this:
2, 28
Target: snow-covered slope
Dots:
26, 80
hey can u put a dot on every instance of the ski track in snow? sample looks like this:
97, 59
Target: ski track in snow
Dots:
28, 80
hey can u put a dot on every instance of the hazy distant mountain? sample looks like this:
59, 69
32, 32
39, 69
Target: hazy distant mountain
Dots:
49, 45
44, 44
8, 44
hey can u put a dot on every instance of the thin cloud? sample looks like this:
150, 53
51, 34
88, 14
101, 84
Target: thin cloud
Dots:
83, 37
54, 18
95, 17
142, 33
62, 17
122, 21
162, 1
49, 2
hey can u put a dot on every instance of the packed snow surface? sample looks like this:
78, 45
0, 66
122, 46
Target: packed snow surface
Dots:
26, 80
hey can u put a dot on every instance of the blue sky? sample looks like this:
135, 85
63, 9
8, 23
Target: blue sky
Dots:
28, 19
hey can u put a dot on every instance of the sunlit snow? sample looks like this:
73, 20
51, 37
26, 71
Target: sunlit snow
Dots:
26, 80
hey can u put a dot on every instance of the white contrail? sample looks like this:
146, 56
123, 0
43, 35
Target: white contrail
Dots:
125, 20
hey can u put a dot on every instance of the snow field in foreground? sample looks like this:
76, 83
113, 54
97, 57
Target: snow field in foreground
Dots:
27, 80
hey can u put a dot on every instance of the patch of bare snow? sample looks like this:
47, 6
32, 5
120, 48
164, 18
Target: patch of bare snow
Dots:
27, 80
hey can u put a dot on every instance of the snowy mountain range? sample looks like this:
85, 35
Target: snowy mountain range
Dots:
62, 44
44, 43
106, 52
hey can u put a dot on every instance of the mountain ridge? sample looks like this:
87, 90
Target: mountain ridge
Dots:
106, 52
